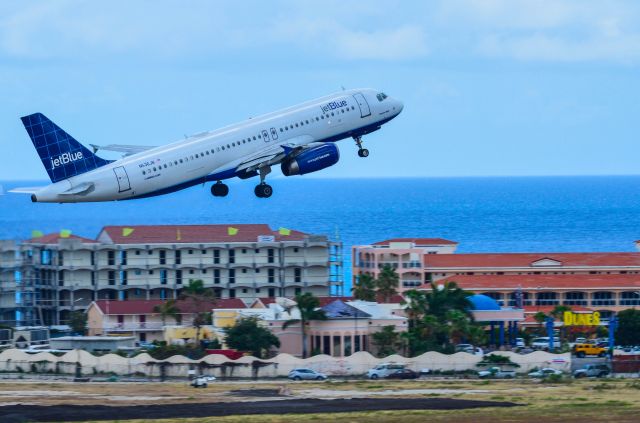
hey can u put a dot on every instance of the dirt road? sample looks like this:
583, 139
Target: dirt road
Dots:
67, 413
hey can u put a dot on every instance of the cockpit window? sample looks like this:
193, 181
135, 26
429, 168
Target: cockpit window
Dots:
381, 96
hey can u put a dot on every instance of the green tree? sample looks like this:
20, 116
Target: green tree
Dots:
168, 308
247, 335
365, 288
387, 340
540, 317
387, 283
308, 306
558, 314
628, 332
78, 321
196, 295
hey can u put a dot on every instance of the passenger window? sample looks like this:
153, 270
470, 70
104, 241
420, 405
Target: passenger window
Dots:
286, 128
196, 156
223, 147
180, 160
306, 121
317, 118
165, 166
143, 172
207, 152
353, 107
212, 151
301, 123
280, 129
191, 157
233, 144
296, 125
254, 138
258, 136
332, 114
154, 169
228, 146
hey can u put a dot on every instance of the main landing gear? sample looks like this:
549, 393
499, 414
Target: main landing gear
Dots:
219, 189
362, 152
263, 190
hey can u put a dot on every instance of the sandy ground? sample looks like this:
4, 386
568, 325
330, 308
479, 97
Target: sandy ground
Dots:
361, 401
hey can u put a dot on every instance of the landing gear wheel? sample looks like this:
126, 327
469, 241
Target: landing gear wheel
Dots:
363, 152
263, 190
219, 189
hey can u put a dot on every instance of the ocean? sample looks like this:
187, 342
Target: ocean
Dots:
501, 214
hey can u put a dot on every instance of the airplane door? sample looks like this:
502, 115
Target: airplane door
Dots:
274, 134
123, 179
265, 135
362, 103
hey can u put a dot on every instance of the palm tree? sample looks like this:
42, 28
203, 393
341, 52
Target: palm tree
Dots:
197, 295
168, 308
308, 306
365, 288
387, 282
540, 317
416, 306
558, 313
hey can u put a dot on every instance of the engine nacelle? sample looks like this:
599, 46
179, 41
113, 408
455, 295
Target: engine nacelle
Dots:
311, 160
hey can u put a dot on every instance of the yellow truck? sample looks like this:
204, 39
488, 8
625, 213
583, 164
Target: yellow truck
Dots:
583, 350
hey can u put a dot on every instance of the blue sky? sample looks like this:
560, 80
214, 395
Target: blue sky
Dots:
493, 87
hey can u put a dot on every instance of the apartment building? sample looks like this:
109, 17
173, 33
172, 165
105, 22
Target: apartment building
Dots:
607, 282
44, 279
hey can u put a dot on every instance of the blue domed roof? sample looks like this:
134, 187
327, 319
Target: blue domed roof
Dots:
482, 302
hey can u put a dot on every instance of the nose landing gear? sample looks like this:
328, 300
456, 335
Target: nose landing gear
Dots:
219, 189
362, 152
263, 190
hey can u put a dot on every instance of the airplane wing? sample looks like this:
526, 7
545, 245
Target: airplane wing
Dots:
122, 148
275, 154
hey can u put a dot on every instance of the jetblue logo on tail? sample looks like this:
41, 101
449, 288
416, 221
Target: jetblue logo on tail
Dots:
61, 154
65, 158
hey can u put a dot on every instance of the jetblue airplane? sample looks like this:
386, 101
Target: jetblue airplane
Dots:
300, 139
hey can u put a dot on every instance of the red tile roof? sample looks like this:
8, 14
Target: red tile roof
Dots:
546, 309
162, 234
526, 259
147, 306
395, 299
532, 282
419, 241
54, 238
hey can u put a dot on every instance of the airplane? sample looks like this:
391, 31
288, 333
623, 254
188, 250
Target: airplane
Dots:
301, 139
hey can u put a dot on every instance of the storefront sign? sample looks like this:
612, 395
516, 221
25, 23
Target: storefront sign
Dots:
581, 319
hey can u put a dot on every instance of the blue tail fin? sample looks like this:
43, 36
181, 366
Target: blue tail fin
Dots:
61, 154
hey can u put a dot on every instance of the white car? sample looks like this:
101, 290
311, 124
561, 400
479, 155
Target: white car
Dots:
384, 369
306, 374
545, 372
542, 343
520, 343
202, 381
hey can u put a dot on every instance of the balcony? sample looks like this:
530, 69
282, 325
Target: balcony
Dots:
131, 327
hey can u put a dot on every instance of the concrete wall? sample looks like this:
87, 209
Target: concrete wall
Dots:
279, 366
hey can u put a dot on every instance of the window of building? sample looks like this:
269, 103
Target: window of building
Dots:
232, 275
111, 258
178, 276
297, 274
123, 277
163, 277
216, 275
216, 256
178, 257
232, 256
232, 293
271, 275
163, 257
111, 277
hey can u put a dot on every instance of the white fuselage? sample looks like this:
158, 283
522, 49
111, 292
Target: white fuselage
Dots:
214, 155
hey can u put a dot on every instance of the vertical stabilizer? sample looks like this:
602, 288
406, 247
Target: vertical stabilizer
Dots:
61, 155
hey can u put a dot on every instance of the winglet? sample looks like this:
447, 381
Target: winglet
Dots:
287, 149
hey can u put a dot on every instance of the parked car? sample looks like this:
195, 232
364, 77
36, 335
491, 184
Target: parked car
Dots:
542, 343
520, 343
593, 370
580, 340
496, 373
306, 374
545, 372
583, 350
403, 374
468, 348
383, 370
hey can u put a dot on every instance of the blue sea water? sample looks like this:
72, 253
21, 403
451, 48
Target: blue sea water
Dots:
540, 214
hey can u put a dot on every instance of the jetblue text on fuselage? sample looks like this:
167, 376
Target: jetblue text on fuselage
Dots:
333, 105
65, 158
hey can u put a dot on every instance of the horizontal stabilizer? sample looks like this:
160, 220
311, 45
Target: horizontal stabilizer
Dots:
25, 190
122, 148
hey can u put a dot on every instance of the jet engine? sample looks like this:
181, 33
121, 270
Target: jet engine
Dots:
311, 160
